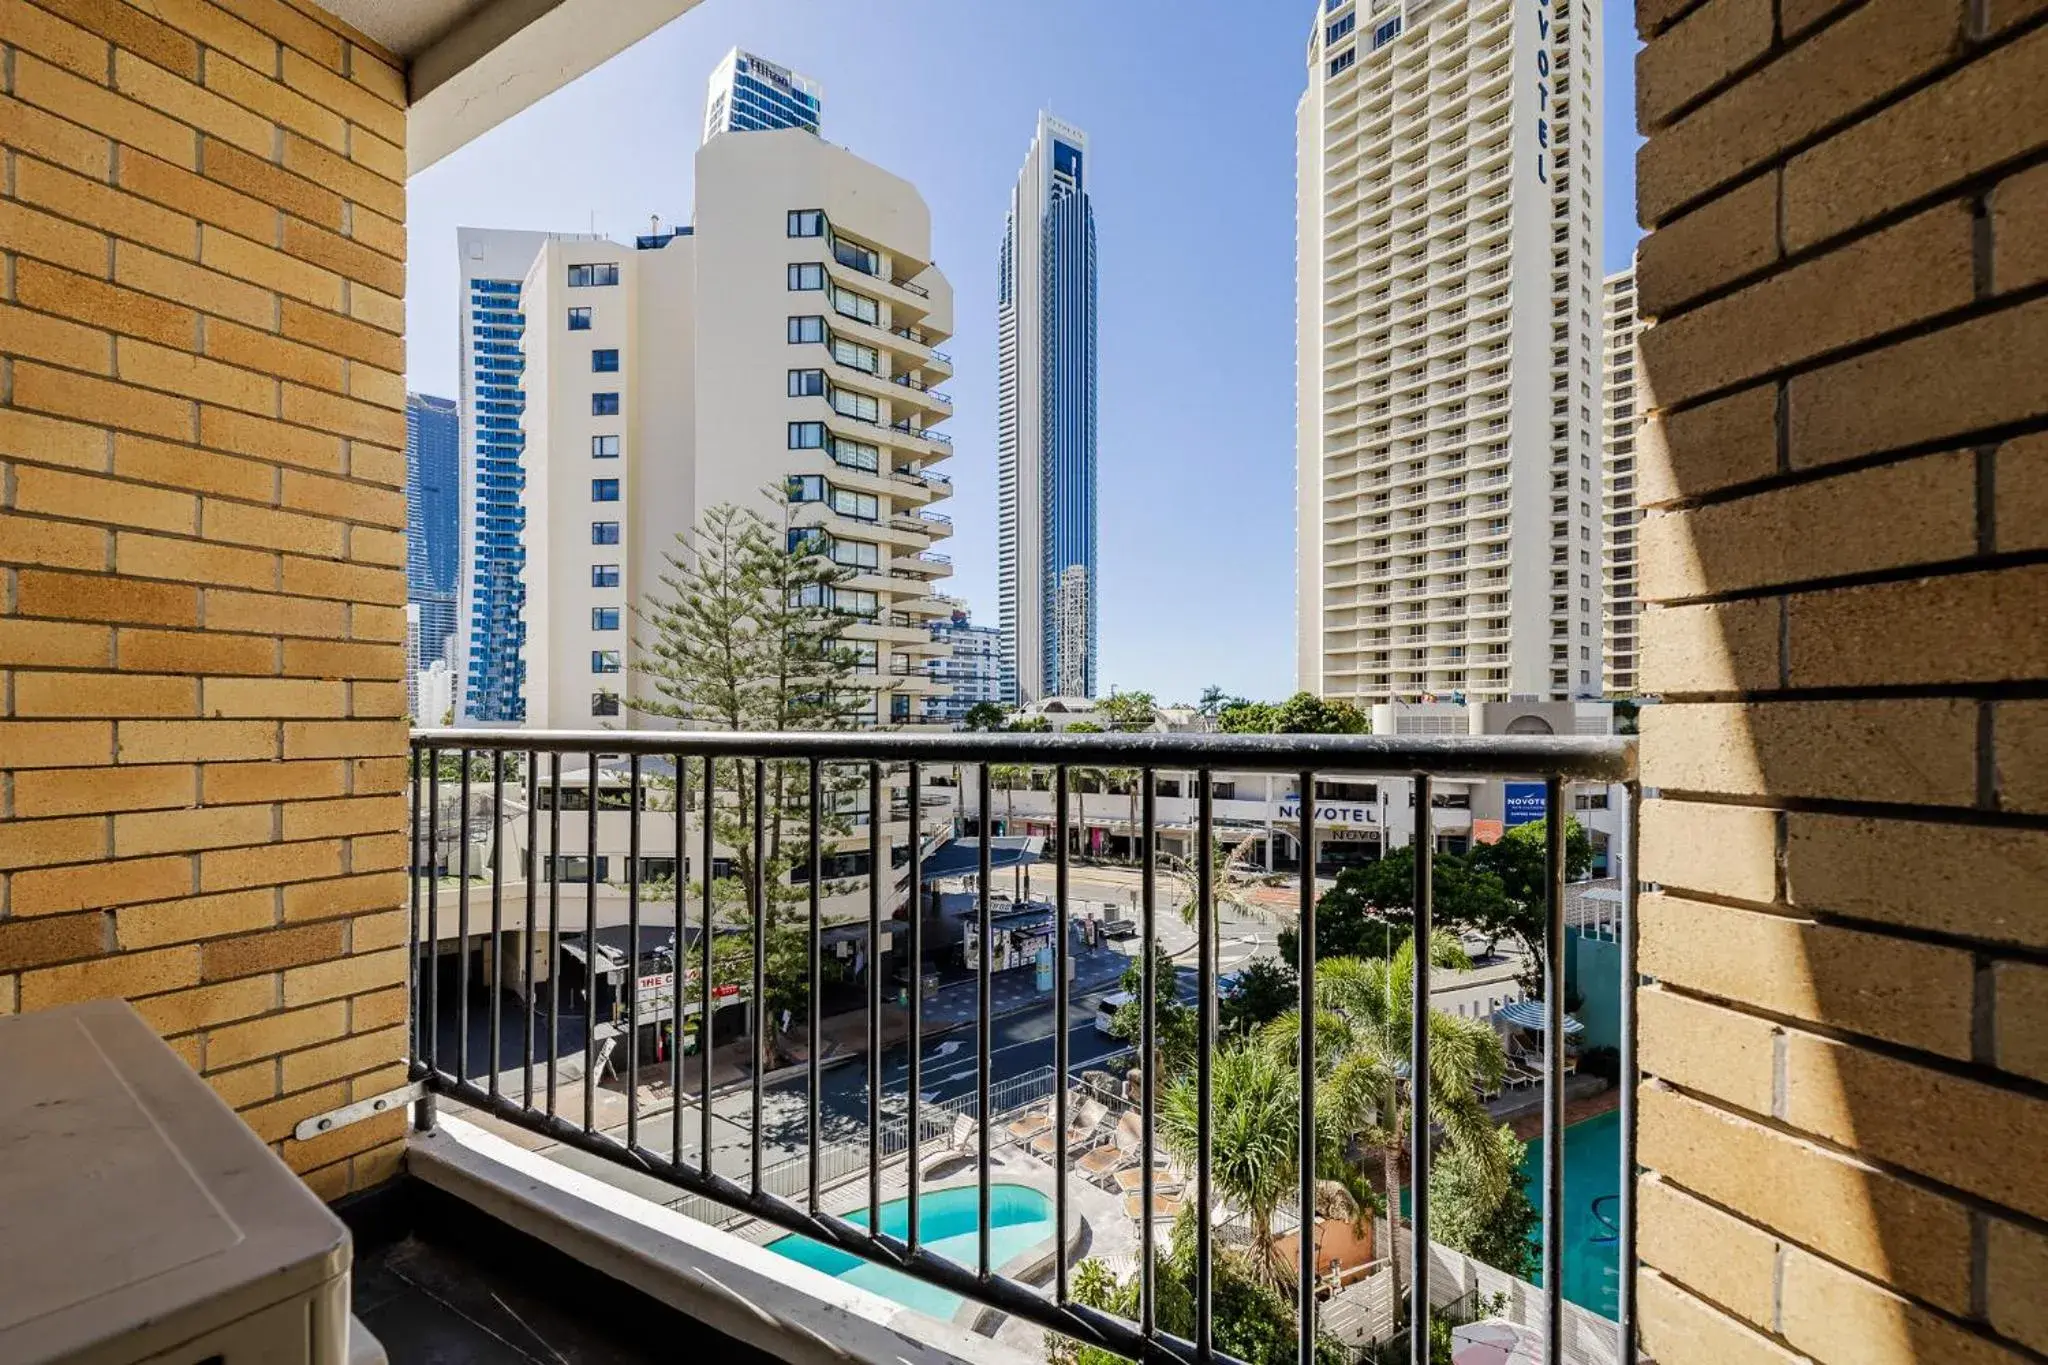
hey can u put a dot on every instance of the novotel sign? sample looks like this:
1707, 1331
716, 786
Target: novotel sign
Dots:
1331, 814
1543, 92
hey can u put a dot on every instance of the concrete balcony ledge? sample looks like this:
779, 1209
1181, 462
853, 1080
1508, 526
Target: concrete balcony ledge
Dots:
732, 1286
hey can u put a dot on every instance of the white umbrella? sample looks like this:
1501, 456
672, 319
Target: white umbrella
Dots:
1495, 1341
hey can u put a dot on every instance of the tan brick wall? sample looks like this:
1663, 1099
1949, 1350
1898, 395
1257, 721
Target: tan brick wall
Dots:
1843, 1113
201, 509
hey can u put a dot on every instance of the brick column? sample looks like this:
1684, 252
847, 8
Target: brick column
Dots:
202, 545
1846, 473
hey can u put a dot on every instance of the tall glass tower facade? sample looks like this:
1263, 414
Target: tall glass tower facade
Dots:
748, 94
1046, 323
433, 502
491, 609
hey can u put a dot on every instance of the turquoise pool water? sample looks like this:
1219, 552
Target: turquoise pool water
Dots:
1592, 1175
948, 1224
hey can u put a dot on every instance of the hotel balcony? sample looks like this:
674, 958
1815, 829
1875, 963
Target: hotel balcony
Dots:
323, 1039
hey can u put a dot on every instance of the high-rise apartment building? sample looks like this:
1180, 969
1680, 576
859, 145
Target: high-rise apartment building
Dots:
433, 535
490, 605
749, 94
1622, 410
648, 396
1448, 351
1046, 307
970, 671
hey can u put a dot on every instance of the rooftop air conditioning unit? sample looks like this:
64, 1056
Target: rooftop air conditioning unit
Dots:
142, 1221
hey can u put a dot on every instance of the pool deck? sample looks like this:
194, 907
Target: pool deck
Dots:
1577, 1108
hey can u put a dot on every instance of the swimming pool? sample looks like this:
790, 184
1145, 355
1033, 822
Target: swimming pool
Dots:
948, 1224
1592, 1177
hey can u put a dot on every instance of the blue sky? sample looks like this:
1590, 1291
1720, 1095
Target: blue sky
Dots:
1189, 107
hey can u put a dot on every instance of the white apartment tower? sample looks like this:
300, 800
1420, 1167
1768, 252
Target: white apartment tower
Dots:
1448, 351
1622, 410
784, 339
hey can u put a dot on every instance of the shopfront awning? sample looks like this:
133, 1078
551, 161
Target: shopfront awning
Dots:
962, 857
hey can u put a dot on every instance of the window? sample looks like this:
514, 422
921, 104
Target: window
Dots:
1340, 28
604, 533
579, 319
605, 361
806, 275
806, 383
806, 223
856, 455
575, 869
852, 602
1386, 33
857, 306
856, 356
604, 575
806, 435
1343, 60
856, 554
604, 618
604, 447
604, 704
856, 258
604, 661
860, 405
806, 329
604, 405
860, 506
806, 488
585, 276
604, 490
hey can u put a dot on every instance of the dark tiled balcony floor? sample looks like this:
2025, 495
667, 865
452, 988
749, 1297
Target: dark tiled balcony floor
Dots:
442, 1284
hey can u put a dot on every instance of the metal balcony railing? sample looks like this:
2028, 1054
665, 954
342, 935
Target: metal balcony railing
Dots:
722, 778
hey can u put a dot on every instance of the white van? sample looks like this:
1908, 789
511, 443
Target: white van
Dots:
1105, 1013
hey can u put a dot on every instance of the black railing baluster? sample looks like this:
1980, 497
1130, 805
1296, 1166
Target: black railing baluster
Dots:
679, 971
984, 1032
1205, 1069
462, 923
705, 1049
497, 915
878, 864
415, 1022
554, 866
1062, 948
432, 966
914, 1124
1148, 1061
1305, 1072
590, 956
633, 951
1555, 817
758, 890
1418, 1074
815, 866
527, 947
1631, 979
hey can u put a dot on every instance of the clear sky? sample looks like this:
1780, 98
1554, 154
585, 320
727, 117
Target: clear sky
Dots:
1189, 108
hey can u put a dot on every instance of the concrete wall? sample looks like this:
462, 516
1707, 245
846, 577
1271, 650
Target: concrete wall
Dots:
202, 546
1843, 471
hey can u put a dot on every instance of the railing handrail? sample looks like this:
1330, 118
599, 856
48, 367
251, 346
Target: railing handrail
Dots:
1609, 758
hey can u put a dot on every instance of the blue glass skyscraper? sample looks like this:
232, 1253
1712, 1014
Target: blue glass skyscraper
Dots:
433, 503
491, 609
1046, 319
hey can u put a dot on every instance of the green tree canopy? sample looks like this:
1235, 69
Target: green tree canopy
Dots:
1304, 713
1478, 1205
984, 715
1128, 710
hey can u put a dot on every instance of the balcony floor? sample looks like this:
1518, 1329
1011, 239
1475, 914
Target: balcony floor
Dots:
439, 1283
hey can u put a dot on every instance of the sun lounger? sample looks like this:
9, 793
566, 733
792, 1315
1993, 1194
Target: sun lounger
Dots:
1043, 1144
1163, 1206
1131, 1178
1030, 1126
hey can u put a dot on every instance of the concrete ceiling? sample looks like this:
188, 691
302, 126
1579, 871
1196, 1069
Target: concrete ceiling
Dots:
472, 64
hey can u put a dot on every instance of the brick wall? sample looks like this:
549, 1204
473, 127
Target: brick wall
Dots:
202, 519
1846, 1121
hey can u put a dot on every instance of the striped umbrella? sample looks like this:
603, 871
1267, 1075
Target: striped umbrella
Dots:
1528, 1014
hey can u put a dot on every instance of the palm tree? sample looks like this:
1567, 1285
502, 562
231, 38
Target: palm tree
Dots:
1008, 776
1255, 1139
1363, 1030
1233, 875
